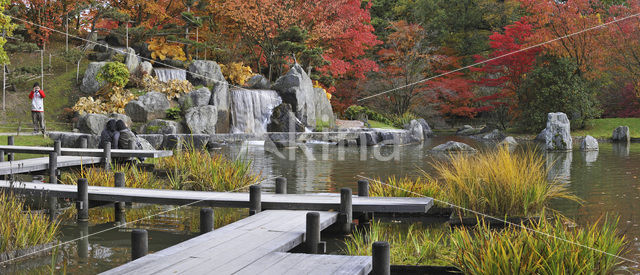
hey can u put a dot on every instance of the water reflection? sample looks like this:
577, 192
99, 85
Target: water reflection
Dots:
621, 149
590, 157
559, 166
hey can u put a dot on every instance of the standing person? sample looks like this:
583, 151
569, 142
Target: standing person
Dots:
37, 108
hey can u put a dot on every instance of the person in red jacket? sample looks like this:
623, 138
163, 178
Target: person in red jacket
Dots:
37, 108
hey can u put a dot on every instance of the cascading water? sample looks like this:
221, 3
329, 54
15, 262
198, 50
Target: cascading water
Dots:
251, 110
164, 75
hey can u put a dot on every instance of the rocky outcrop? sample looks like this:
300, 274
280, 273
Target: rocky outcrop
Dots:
324, 111
161, 126
494, 135
557, 135
251, 110
258, 82
296, 88
197, 98
510, 141
90, 85
150, 106
202, 120
589, 143
453, 146
92, 123
222, 100
621, 134
205, 72
416, 131
283, 119
131, 60
145, 68
426, 130
368, 139
467, 130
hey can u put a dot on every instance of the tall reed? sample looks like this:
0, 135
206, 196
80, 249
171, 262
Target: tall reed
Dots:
20, 228
97, 176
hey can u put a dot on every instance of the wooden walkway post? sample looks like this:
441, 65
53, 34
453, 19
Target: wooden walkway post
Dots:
82, 202
53, 167
119, 181
381, 258
83, 142
346, 210
206, 220
57, 147
10, 141
363, 191
139, 243
106, 156
255, 199
281, 185
312, 241
2, 177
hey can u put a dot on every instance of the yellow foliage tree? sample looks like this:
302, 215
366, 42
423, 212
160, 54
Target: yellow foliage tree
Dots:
236, 72
161, 49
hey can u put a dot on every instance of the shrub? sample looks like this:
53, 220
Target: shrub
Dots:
516, 250
173, 89
18, 229
173, 113
236, 72
115, 74
555, 86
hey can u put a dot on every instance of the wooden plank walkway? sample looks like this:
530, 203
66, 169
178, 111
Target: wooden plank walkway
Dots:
253, 245
88, 152
323, 202
42, 164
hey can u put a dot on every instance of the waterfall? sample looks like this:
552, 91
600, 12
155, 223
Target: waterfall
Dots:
164, 75
251, 110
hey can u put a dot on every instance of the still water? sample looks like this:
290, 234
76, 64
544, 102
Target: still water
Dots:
606, 180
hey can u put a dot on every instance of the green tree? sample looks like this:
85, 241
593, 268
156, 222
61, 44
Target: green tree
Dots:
556, 85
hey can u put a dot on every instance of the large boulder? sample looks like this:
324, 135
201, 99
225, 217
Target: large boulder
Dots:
205, 72
368, 139
494, 135
131, 60
557, 136
324, 111
92, 123
621, 134
150, 106
453, 146
416, 131
221, 98
90, 85
258, 82
202, 120
467, 130
283, 119
426, 130
509, 141
589, 143
145, 68
161, 126
296, 88
197, 98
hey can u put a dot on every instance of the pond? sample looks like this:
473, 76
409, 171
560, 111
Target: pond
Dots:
607, 181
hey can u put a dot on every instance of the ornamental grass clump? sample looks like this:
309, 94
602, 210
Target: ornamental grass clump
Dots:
194, 169
556, 249
415, 247
20, 228
97, 176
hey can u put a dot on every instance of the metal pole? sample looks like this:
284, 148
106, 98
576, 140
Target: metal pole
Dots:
206, 220
127, 27
139, 243
42, 68
66, 27
4, 89
281, 185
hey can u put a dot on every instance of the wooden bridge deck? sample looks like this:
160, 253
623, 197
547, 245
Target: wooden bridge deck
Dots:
42, 164
253, 245
322, 202
86, 152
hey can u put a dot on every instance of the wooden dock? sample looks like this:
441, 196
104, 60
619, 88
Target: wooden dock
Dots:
86, 152
42, 164
254, 245
323, 202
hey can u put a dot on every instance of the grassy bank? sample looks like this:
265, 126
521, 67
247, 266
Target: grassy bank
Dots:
37, 140
603, 128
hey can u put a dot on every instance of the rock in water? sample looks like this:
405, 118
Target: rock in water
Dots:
205, 72
221, 98
426, 130
453, 146
494, 135
283, 119
557, 135
251, 110
467, 130
202, 120
90, 84
296, 88
415, 130
258, 82
589, 143
621, 134
161, 126
149, 106
132, 60
324, 111
92, 123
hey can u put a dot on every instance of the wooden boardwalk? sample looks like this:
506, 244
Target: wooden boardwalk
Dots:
322, 202
42, 164
254, 245
86, 152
